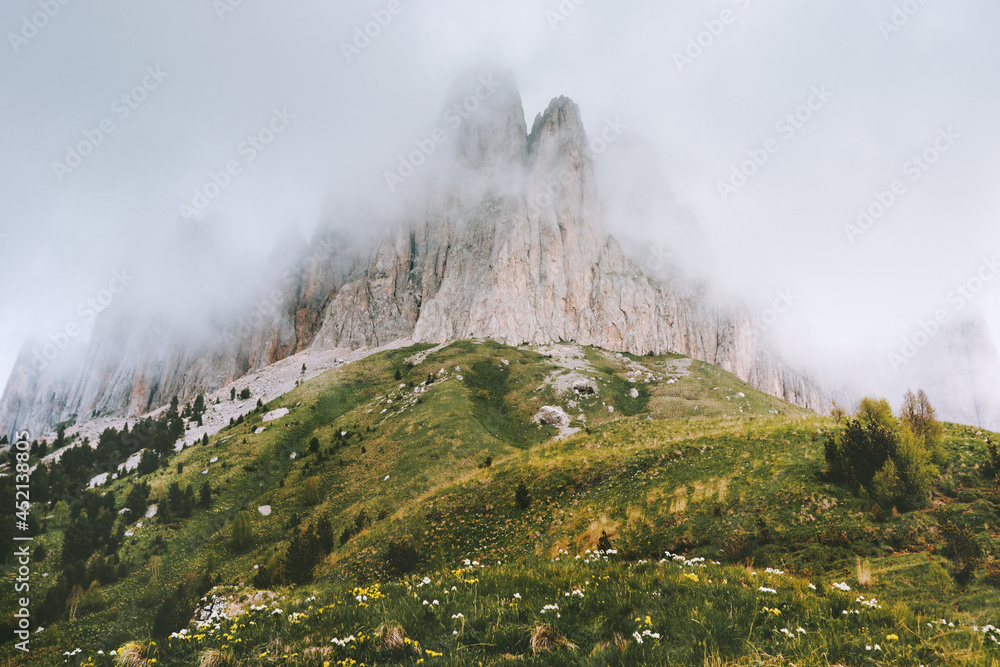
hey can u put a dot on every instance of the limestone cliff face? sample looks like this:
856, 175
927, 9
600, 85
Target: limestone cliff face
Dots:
511, 245
506, 241
960, 370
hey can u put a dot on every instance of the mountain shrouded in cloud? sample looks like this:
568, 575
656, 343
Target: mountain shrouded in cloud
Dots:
502, 236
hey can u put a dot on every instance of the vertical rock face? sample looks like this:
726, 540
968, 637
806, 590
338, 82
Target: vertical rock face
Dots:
510, 244
506, 241
960, 370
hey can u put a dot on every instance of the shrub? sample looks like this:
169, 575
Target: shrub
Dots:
241, 533
304, 554
886, 486
521, 496
962, 547
311, 494
401, 556
324, 531
877, 456
920, 416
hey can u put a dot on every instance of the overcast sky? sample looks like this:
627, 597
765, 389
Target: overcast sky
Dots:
702, 87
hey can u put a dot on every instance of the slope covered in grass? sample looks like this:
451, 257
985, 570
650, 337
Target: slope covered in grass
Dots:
423, 458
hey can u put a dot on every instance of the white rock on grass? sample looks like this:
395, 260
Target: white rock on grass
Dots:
552, 416
150, 512
634, 393
132, 462
275, 414
265, 510
260, 429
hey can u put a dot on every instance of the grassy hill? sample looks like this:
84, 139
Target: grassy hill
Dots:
465, 533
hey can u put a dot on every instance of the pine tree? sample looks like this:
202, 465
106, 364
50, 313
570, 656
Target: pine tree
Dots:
324, 532
304, 553
205, 495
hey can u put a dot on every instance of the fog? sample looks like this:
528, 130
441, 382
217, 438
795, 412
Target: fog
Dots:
157, 148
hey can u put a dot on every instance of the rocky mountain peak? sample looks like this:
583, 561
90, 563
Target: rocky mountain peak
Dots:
484, 108
558, 130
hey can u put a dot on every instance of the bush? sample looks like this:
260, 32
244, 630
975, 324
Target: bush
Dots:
962, 547
877, 456
311, 494
521, 496
241, 533
304, 554
919, 415
401, 557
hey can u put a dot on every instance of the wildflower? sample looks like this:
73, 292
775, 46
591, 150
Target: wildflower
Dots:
764, 589
892, 638
517, 596
842, 586
812, 586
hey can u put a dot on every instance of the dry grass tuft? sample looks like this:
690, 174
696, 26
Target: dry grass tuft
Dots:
132, 654
390, 636
865, 573
215, 658
545, 638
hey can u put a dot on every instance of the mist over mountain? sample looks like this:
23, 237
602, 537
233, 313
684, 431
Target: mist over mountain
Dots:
492, 231
502, 236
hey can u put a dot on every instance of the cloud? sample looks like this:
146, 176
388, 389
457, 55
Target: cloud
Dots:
364, 81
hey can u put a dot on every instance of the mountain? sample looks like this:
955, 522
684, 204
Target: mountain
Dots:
502, 237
